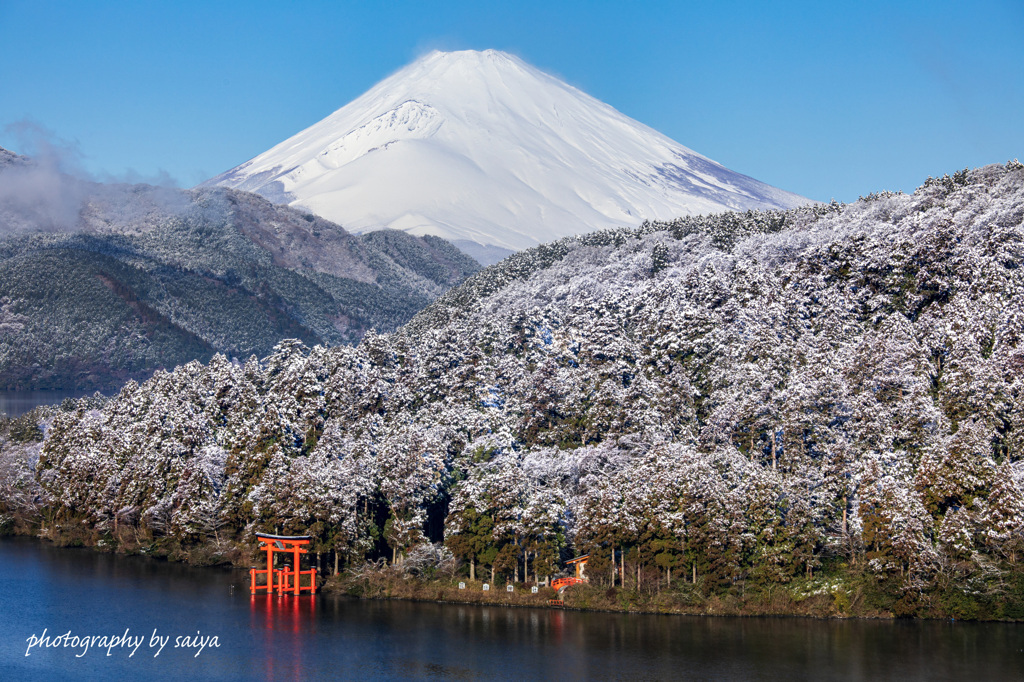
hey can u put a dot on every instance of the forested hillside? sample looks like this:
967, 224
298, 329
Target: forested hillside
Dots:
739, 401
101, 283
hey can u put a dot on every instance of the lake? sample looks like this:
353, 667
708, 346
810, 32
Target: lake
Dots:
88, 594
17, 403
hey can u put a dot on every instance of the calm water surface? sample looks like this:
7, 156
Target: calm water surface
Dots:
17, 403
272, 638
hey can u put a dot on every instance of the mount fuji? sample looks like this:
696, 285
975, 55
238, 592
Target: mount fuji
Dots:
493, 155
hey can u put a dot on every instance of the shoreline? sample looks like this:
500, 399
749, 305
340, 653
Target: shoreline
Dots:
594, 598
848, 596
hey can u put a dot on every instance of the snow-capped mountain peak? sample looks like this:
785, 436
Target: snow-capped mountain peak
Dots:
493, 154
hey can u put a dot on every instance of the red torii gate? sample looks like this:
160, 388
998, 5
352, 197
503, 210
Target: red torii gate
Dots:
285, 579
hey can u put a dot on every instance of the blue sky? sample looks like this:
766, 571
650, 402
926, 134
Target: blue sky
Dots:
829, 100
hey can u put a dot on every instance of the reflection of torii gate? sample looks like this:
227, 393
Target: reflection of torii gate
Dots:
283, 579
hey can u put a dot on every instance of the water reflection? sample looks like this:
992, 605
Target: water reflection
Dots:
281, 625
281, 638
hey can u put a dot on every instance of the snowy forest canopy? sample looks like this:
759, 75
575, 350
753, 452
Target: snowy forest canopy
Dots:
740, 397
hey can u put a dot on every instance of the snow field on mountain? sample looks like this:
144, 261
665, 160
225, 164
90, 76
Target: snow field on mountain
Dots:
480, 146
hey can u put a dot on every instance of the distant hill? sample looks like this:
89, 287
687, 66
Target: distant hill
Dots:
9, 158
149, 277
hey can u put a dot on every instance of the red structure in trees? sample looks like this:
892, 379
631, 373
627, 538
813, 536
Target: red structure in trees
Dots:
580, 564
286, 579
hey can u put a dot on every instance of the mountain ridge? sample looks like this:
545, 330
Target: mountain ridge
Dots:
115, 281
482, 148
